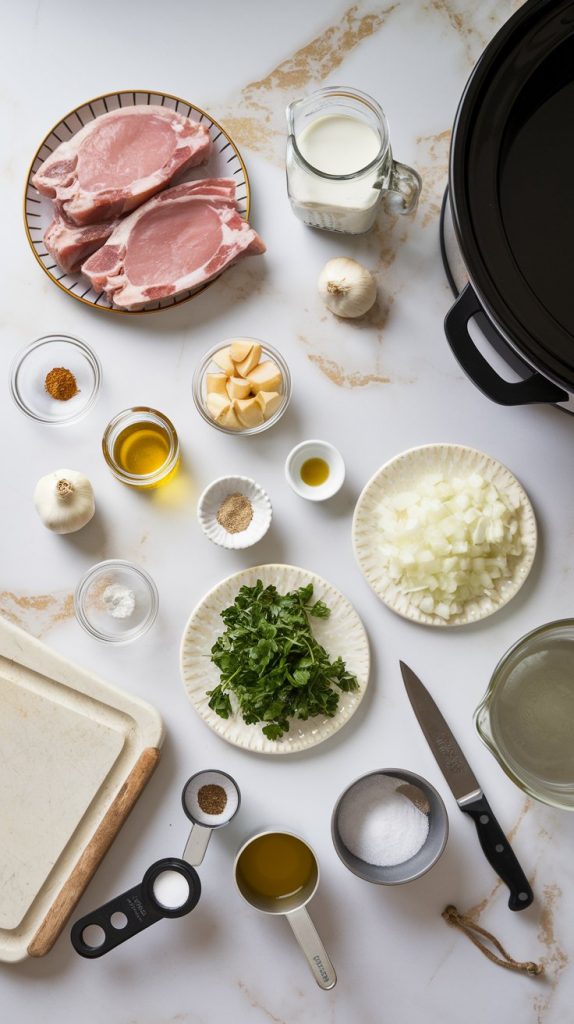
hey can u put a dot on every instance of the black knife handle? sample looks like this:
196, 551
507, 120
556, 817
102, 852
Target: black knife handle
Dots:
499, 854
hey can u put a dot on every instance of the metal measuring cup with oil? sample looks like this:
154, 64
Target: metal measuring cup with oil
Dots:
276, 872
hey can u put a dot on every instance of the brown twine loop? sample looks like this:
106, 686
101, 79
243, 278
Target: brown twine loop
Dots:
452, 916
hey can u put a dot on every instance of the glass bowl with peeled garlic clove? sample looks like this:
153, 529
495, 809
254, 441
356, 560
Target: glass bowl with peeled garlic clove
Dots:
242, 386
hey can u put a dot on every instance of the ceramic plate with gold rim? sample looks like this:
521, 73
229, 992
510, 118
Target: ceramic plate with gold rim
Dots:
224, 162
341, 634
401, 474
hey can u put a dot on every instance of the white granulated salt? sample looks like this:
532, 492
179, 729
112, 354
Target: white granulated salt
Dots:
119, 601
379, 825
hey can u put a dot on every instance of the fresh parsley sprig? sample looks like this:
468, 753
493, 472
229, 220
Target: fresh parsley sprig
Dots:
270, 660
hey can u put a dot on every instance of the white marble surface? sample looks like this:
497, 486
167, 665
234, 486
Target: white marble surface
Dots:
373, 391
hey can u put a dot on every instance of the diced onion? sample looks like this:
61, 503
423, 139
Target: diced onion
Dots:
449, 541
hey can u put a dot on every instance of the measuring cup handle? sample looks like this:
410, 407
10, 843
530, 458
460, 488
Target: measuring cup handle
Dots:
308, 938
404, 189
196, 845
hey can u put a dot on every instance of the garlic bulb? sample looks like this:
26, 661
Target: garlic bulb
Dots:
64, 500
348, 289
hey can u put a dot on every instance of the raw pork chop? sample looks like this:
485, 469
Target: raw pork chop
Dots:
70, 245
119, 160
177, 241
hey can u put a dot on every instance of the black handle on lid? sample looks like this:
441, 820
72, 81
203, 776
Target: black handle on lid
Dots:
499, 853
535, 388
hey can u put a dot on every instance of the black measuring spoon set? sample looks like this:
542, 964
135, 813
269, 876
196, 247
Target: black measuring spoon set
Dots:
171, 886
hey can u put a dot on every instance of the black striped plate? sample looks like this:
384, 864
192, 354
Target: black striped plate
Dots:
225, 161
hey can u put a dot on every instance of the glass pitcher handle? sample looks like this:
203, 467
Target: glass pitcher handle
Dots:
404, 189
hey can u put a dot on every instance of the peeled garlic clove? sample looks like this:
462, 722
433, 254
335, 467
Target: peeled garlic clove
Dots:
224, 360
348, 289
269, 402
228, 418
217, 404
217, 384
249, 412
64, 500
265, 377
246, 365
240, 349
237, 387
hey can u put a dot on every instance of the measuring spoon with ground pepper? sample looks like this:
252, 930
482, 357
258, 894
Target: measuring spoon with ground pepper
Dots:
210, 800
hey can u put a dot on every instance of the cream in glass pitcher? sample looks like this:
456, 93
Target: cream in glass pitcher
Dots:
340, 164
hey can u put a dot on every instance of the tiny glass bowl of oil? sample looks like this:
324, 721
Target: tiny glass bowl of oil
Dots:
315, 470
141, 447
526, 718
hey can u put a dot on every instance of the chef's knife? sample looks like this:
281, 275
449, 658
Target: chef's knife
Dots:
466, 790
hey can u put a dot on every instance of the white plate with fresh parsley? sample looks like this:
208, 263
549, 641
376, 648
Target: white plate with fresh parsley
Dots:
341, 634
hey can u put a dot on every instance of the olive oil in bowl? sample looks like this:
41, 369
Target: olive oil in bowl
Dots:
315, 472
141, 447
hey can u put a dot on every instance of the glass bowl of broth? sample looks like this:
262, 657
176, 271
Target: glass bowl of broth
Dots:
526, 718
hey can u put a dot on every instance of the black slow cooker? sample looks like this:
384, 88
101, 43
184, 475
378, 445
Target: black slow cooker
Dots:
511, 200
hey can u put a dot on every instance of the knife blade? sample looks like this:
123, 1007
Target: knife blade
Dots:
466, 790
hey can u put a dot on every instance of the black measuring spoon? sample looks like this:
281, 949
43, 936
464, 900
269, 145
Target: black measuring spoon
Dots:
169, 888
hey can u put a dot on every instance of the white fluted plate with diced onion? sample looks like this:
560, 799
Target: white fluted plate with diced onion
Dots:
405, 586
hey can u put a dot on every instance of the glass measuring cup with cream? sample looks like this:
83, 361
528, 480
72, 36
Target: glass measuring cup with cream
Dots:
276, 872
339, 162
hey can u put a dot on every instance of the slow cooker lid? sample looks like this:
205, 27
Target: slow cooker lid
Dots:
512, 183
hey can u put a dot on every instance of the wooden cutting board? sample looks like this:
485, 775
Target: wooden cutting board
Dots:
75, 754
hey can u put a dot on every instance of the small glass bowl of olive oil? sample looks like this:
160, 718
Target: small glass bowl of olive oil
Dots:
141, 447
315, 470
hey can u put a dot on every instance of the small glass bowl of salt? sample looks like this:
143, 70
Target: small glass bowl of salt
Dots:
389, 826
116, 601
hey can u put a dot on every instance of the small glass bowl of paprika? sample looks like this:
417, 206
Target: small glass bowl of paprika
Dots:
55, 379
141, 447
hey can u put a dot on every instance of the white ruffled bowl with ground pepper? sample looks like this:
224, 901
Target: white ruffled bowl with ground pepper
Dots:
234, 512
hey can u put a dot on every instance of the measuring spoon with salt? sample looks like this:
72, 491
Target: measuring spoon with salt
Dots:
169, 888
210, 800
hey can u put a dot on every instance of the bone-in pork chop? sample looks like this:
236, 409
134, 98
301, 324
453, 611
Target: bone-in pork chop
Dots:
176, 242
70, 244
119, 160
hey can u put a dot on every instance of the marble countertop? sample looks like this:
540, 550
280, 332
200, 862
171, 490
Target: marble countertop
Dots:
373, 389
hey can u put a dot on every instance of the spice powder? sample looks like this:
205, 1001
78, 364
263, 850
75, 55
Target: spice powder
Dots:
212, 799
61, 384
235, 513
